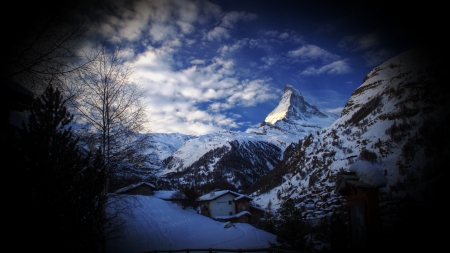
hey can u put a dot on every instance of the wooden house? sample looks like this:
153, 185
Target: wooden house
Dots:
227, 205
142, 188
257, 215
362, 209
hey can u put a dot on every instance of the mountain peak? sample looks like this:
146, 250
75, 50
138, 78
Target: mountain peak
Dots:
293, 107
281, 111
289, 87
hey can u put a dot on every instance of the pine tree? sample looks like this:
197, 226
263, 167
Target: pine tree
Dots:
64, 187
290, 228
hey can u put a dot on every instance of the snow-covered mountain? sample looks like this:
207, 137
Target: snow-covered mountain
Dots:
295, 115
163, 145
397, 120
238, 157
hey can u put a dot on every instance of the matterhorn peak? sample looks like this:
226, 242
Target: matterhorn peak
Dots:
289, 96
292, 106
293, 112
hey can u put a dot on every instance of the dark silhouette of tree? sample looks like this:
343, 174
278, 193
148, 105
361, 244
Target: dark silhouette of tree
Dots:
290, 228
64, 186
187, 196
338, 232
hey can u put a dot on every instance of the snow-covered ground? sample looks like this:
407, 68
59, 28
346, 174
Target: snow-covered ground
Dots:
155, 224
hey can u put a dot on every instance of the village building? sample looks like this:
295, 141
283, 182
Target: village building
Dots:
142, 188
227, 205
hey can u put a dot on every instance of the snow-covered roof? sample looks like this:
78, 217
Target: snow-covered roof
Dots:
257, 207
369, 173
243, 196
215, 194
124, 189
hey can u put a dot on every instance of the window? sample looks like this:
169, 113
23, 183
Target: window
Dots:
229, 202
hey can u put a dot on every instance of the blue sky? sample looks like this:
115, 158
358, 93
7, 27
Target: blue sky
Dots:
212, 65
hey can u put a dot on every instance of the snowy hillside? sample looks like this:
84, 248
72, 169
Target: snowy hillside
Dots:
396, 119
163, 145
150, 223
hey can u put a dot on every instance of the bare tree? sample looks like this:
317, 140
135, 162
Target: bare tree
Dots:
112, 108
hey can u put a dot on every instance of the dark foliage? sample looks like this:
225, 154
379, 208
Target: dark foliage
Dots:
217, 184
63, 186
398, 131
338, 232
367, 155
290, 228
188, 194
274, 177
364, 110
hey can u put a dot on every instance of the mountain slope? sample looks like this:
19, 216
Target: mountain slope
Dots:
395, 119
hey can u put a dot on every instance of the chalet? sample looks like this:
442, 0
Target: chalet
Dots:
362, 209
227, 205
142, 188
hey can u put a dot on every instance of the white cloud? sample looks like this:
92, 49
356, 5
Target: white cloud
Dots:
231, 18
187, 11
190, 99
271, 33
312, 52
218, 33
167, 19
228, 49
198, 62
217, 106
283, 36
185, 27
268, 61
286, 36
252, 92
161, 31
334, 68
